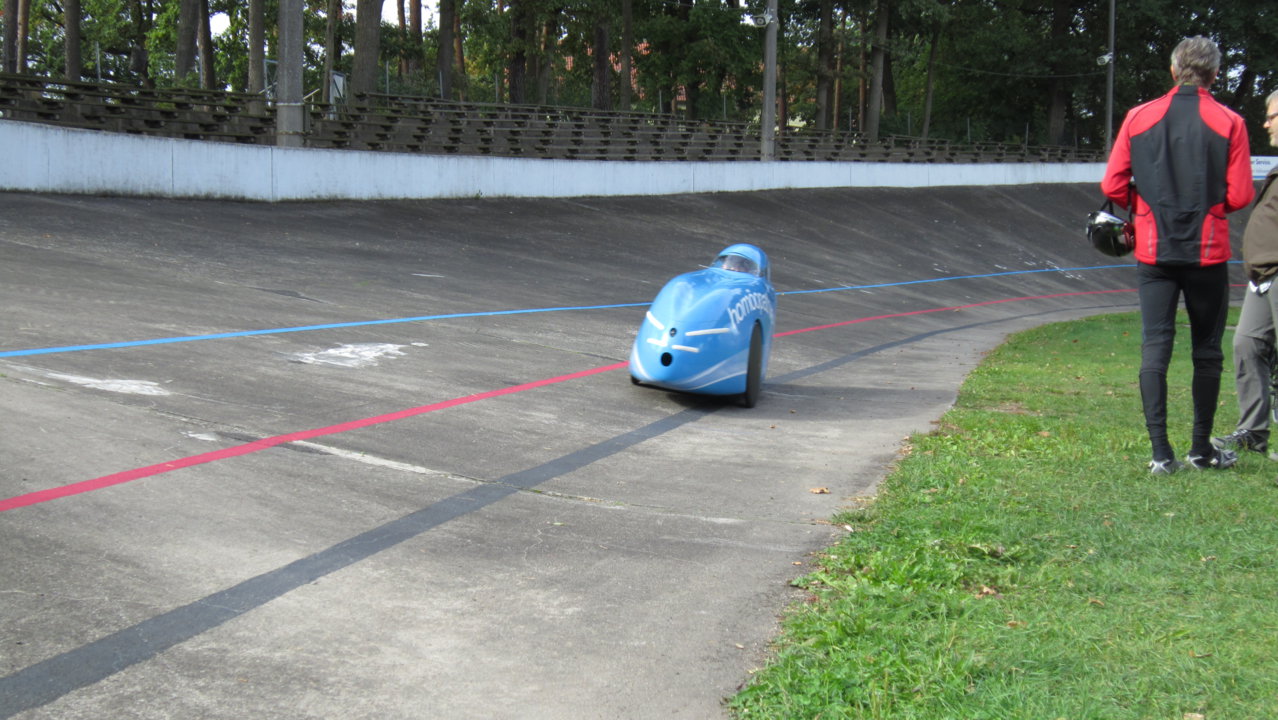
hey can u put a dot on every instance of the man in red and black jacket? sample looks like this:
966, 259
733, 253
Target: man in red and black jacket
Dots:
1184, 161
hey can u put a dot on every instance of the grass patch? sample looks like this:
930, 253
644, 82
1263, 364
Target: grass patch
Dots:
1020, 562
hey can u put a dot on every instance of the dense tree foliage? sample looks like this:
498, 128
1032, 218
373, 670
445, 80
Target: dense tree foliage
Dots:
1001, 70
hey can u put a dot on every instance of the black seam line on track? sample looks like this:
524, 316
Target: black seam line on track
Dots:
839, 361
51, 679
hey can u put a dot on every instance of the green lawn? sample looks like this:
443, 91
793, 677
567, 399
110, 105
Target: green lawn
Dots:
1020, 562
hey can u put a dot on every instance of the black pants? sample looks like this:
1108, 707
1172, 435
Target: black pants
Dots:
1206, 293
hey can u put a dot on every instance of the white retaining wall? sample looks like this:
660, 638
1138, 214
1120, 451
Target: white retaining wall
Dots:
43, 158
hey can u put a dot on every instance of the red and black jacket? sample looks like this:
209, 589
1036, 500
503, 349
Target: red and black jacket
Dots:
1189, 160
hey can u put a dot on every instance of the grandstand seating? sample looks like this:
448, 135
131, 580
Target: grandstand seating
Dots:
395, 123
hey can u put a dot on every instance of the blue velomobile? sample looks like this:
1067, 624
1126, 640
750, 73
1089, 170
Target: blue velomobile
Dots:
710, 331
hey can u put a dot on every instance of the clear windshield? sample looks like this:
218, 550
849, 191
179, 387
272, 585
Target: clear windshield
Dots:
736, 263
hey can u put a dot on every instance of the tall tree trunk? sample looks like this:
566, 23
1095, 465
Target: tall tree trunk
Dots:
783, 104
444, 56
825, 66
415, 58
140, 25
10, 49
927, 92
257, 50
1058, 107
1245, 82
517, 69
1059, 88
600, 92
331, 47
208, 66
692, 85
24, 32
368, 27
402, 14
862, 73
877, 62
459, 58
546, 47
889, 85
839, 50
627, 52
187, 30
71, 18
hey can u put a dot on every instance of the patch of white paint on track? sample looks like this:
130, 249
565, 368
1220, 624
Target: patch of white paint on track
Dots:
128, 387
377, 461
350, 356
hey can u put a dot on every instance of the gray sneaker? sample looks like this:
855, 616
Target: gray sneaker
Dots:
1164, 467
1242, 440
1217, 460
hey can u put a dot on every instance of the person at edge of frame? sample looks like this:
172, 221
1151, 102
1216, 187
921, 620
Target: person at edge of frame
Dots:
1184, 160
1254, 336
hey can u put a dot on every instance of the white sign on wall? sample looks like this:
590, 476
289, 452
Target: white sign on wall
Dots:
1261, 165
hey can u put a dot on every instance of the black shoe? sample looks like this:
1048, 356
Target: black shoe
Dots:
1242, 440
1164, 467
1217, 460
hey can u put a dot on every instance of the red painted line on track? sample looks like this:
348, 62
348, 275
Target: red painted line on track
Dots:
249, 448
42, 496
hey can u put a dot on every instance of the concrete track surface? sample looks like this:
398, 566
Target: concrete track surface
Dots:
465, 511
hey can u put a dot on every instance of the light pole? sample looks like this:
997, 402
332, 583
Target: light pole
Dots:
290, 115
768, 125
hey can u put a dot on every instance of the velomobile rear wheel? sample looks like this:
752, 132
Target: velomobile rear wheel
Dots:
754, 371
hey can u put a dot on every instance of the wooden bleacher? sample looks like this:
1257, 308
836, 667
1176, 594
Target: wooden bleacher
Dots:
396, 123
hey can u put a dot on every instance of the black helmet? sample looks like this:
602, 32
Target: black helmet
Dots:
1110, 234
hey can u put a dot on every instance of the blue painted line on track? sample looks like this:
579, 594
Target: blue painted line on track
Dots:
492, 313
304, 328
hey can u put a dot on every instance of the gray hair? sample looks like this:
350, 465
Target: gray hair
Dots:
1270, 100
1196, 61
